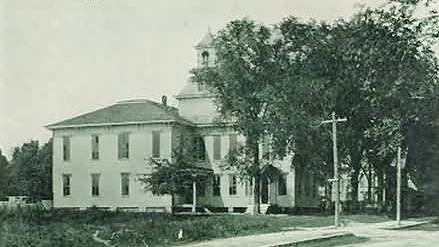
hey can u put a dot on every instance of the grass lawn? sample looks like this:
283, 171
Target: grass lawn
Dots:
366, 218
75, 228
430, 227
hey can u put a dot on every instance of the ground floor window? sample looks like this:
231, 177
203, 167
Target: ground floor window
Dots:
95, 184
232, 184
249, 187
282, 184
201, 189
66, 184
124, 184
216, 190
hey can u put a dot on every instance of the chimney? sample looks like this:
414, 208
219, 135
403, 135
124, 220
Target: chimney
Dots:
164, 100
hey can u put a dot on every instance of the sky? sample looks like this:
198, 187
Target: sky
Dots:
63, 58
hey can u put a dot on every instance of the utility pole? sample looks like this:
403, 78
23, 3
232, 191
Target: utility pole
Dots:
334, 122
398, 187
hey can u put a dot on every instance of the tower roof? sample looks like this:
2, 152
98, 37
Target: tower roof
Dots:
207, 41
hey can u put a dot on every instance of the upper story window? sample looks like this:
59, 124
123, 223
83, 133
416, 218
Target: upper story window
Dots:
66, 184
200, 149
156, 144
217, 147
95, 147
66, 148
123, 141
233, 144
205, 58
266, 147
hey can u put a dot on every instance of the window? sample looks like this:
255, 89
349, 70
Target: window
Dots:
217, 147
95, 147
95, 184
124, 184
156, 144
200, 150
200, 86
216, 185
249, 187
123, 146
66, 148
306, 183
66, 184
266, 147
282, 184
201, 189
314, 186
205, 58
299, 186
233, 145
232, 184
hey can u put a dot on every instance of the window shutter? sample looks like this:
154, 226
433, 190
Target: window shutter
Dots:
127, 145
119, 146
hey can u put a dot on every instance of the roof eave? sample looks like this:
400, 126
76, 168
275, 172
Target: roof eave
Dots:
55, 127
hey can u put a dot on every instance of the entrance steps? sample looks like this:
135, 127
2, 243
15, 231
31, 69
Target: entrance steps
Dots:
262, 207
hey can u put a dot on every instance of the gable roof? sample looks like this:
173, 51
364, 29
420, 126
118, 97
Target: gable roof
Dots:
125, 112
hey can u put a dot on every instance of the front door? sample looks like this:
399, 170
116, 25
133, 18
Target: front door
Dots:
188, 195
264, 190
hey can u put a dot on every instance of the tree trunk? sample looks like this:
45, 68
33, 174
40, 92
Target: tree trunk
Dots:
369, 183
356, 166
354, 184
257, 176
380, 180
172, 203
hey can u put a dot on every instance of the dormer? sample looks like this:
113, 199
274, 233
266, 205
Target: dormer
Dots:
205, 51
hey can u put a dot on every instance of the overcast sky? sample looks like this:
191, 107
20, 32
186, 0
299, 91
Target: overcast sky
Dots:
62, 58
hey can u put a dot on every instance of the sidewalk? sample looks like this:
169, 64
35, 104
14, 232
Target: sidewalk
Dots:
273, 239
308, 234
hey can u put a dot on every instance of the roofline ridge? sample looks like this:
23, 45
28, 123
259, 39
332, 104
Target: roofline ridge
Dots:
131, 101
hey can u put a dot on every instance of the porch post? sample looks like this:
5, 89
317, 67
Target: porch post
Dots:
194, 197
268, 190
260, 191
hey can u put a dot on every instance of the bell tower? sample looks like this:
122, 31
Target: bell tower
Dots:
205, 51
195, 101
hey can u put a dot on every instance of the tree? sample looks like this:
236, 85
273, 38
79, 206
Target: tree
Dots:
3, 175
367, 69
175, 176
31, 171
241, 78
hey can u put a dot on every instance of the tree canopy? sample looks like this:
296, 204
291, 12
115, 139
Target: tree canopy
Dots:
378, 69
175, 176
30, 171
